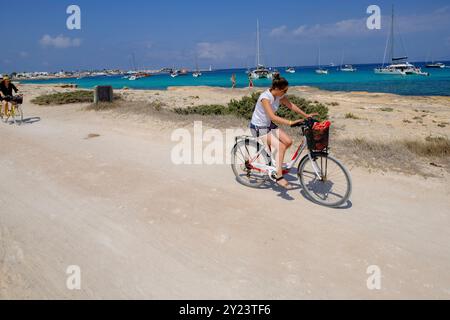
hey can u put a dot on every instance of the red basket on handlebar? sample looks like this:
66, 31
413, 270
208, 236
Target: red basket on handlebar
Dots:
318, 136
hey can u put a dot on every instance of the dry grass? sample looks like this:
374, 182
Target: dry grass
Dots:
408, 156
430, 147
351, 116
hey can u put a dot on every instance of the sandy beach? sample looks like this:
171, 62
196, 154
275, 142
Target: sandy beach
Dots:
97, 189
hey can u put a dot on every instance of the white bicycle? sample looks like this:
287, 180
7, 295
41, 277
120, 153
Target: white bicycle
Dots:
323, 179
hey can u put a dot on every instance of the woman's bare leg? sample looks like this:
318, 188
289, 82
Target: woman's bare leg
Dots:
283, 137
285, 142
278, 149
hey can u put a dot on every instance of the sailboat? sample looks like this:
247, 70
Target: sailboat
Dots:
174, 72
290, 70
261, 72
398, 66
196, 73
433, 65
346, 67
320, 70
135, 74
132, 76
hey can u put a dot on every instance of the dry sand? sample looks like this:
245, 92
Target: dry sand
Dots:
98, 190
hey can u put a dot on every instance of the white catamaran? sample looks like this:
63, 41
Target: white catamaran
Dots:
261, 72
398, 66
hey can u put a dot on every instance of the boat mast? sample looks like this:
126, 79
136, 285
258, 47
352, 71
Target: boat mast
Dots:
133, 57
257, 44
392, 35
319, 58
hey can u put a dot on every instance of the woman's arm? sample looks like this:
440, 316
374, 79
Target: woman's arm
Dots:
285, 101
273, 117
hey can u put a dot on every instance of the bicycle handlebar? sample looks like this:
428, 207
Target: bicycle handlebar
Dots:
308, 122
17, 98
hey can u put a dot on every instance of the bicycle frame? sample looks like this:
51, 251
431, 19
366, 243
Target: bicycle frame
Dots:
10, 108
270, 169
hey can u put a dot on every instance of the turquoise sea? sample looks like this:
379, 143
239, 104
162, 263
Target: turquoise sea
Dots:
438, 83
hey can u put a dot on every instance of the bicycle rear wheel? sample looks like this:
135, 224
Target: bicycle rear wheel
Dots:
245, 154
334, 186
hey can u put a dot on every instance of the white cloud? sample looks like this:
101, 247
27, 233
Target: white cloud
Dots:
219, 50
341, 28
437, 20
279, 31
23, 54
443, 10
299, 31
59, 42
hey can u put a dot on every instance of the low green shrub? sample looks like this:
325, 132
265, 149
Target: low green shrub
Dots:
244, 108
79, 96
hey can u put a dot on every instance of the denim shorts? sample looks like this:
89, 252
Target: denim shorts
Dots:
258, 131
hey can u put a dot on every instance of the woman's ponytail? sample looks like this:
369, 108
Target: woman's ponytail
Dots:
279, 82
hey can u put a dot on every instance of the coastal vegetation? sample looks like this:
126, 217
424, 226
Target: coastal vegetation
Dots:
404, 155
69, 97
78, 96
244, 107
350, 115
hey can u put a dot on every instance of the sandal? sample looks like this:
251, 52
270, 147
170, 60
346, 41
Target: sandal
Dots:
287, 186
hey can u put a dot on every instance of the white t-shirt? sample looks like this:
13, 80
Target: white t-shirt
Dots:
260, 119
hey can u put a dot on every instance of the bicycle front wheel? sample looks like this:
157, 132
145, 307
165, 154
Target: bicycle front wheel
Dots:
325, 180
17, 115
247, 159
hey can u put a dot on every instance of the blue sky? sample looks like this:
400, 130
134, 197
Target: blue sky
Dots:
221, 33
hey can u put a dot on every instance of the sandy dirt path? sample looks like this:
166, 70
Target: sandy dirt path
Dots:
141, 227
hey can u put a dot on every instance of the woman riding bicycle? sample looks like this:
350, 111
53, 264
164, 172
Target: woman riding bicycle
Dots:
6, 89
264, 122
